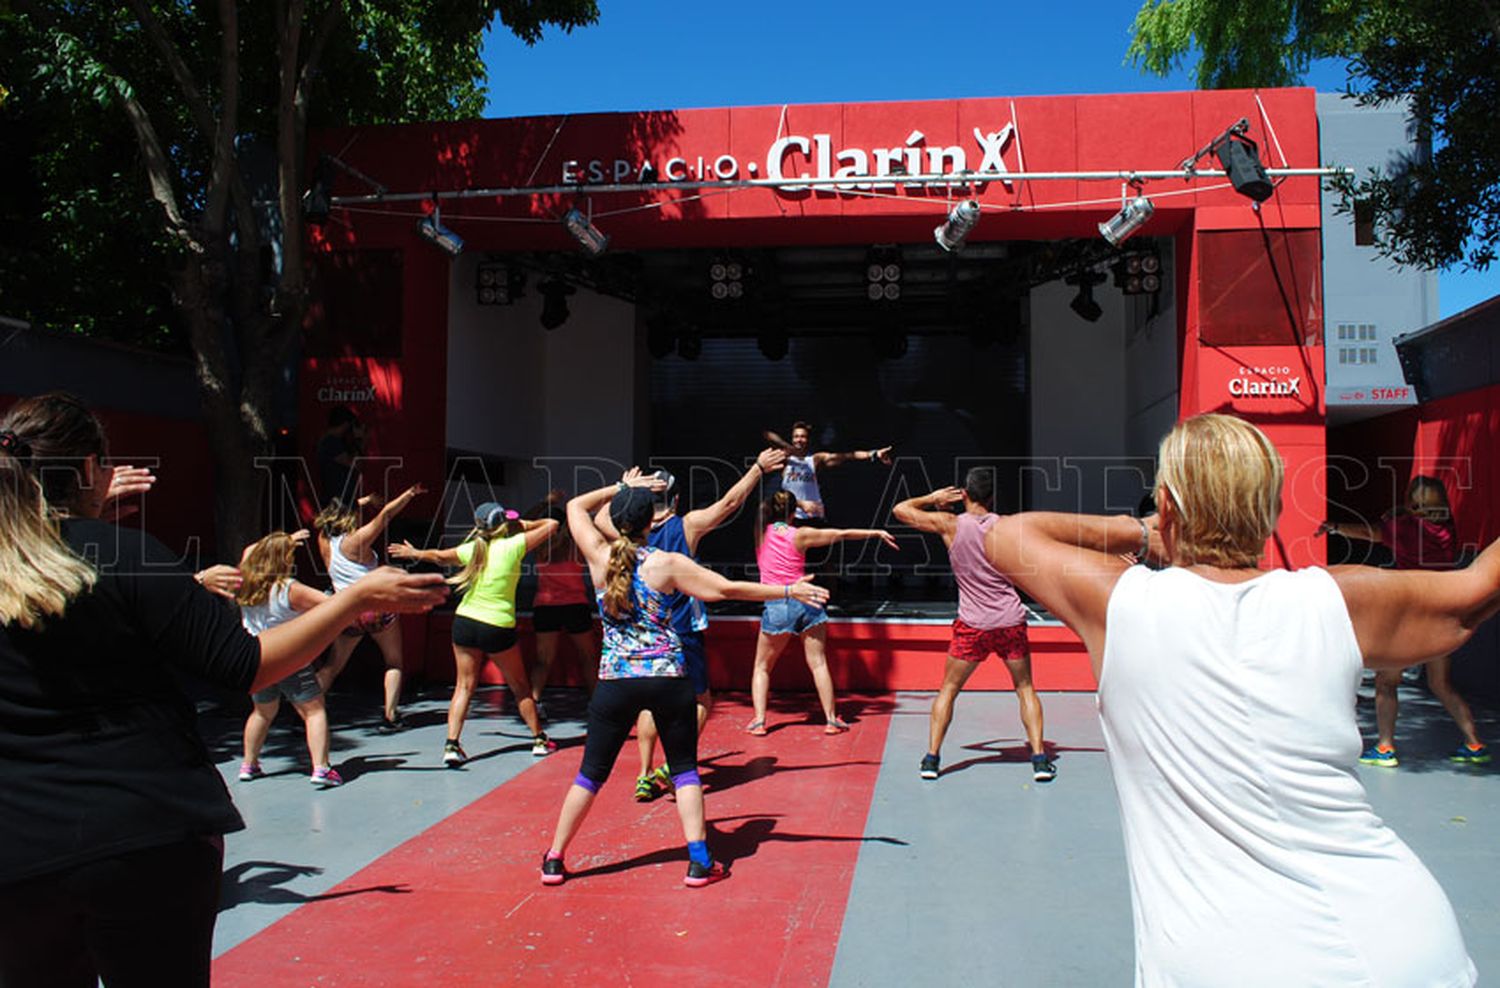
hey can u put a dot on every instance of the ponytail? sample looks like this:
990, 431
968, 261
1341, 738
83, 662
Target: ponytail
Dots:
780, 506
39, 574
619, 601
481, 538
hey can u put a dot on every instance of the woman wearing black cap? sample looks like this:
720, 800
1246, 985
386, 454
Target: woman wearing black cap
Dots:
113, 811
641, 667
484, 623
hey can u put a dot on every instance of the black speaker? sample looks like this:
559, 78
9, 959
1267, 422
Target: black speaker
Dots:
1239, 158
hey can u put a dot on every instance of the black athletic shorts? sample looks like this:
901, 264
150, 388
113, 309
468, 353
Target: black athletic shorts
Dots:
575, 619
488, 638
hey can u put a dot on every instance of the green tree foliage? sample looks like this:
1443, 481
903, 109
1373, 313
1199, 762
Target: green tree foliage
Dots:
153, 156
1436, 208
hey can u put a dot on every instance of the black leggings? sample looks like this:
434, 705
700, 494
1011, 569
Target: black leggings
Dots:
142, 918
613, 711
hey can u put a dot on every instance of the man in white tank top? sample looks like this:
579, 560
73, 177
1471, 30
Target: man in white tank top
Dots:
991, 618
800, 475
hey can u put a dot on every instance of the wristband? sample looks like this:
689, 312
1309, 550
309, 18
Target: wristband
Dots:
1140, 555
620, 487
786, 592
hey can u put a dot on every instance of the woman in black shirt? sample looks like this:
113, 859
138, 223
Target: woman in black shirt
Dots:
112, 810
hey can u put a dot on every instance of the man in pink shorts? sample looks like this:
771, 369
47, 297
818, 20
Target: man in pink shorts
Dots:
991, 619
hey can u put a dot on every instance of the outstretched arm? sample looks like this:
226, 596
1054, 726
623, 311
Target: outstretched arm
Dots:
812, 538
881, 453
538, 531
925, 513
698, 523
1069, 563
1353, 530
406, 552
775, 440
684, 575
592, 543
1402, 617
359, 542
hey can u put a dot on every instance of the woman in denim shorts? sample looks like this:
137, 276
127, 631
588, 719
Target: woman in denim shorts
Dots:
780, 553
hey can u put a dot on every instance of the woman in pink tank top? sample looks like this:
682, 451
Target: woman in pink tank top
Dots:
779, 553
562, 605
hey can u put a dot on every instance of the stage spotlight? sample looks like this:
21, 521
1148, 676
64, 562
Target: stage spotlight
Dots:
1083, 303
726, 279
1131, 217
883, 274
1240, 159
431, 229
555, 294
773, 343
690, 346
498, 284
1138, 273
587, 234
961, 219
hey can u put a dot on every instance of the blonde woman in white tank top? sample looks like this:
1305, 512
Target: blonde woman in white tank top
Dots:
349, 552
1227, 695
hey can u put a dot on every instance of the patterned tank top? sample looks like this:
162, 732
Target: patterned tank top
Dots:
642, 644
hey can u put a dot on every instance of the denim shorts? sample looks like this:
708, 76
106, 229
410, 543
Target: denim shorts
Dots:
300, 687
790, 617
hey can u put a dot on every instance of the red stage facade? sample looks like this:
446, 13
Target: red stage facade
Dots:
1248, 296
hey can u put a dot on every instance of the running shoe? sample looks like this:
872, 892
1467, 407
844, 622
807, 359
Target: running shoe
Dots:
552, 870
542, 745
249, 771
389, 726
930, 766
326, 777
1471, 756
645, 789
700, 875
541, 711
661, 779
1042, 768
1376, 755
453, 754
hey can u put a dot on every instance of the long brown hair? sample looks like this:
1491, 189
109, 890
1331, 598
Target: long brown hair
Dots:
43, 444
337, 518
268, 563
482, 537
780, 506
619, 601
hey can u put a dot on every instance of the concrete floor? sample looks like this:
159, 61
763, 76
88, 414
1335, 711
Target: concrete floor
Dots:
980, 877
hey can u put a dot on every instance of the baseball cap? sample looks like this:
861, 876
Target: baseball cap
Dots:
665, 495
491, 513
631, 510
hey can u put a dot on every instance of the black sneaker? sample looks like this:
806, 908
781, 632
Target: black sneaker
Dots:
930, 766
552, 870
1042, 768
387, 726
453, 754
700, 875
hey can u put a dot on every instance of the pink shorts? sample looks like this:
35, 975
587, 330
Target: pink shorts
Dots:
975, 645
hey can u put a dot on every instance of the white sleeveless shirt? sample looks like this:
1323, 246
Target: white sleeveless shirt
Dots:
1254, 856
276, 610
800, 477
343, 571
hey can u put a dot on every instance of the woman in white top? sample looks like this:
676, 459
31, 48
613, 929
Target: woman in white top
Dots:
1227, 699
348, 550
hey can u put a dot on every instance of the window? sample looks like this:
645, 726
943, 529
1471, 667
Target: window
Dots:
1358, 355
1364, 223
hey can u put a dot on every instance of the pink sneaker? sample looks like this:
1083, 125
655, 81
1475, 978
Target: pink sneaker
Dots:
250, 771
326, 777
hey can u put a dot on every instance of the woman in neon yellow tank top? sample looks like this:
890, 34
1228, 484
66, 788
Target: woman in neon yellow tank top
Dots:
484, 623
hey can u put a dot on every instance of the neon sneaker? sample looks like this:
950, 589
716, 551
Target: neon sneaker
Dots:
541, 745
662, 779
250, 771
645, 789
326, 777
930, 765
700, 875
552, 870
453, 754
1042, 768
1471, 756
1377, 755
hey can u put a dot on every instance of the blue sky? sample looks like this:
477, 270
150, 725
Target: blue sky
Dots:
651, 55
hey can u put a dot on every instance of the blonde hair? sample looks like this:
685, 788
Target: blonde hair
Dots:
39, 573
268, 563
619, 601
337, 518
1224, 478
481, 537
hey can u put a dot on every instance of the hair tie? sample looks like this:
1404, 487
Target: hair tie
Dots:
14, 445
